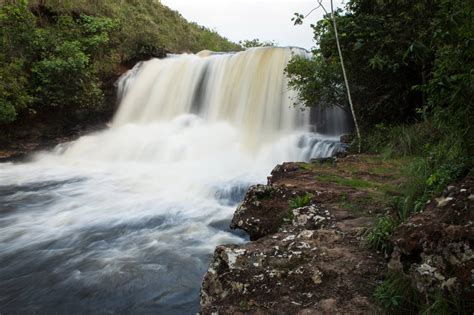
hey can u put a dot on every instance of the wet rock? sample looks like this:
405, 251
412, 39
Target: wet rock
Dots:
434, 248
282, 171
347, 139
259, 214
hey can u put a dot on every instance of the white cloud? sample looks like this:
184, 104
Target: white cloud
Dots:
249, 19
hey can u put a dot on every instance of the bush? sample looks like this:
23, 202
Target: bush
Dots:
396, 295
55, 65
386, 52
60, 54
66, 74
14, 94
17, 37
400, 140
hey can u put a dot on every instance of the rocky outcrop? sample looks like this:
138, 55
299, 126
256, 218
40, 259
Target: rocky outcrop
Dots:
435, 248
252, 215
308, 260
295, 271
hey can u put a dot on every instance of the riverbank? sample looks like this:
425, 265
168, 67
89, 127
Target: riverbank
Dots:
309, 253
41, 137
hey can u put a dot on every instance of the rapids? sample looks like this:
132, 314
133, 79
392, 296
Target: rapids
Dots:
125, 220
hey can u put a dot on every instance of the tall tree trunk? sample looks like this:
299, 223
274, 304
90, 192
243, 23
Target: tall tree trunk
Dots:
345, 78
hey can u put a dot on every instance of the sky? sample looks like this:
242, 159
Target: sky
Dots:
248, 19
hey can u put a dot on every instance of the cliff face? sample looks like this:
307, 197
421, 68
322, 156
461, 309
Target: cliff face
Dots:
307, 254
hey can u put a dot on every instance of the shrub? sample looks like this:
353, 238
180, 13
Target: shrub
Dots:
397, 296
17, 37
378, 236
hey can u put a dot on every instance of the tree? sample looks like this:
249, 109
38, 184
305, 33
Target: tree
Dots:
256, 43
17, 37
298, 20
386, 49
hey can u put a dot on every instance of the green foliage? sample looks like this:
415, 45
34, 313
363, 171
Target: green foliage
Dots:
55, 65
17, 26
57, 54
450, 90
410, 68
428, 175
401, 140
148, 28
406, 60
378, 236
300, 201
317, 80
397, 296
437, 159
385, 48
66, 74
349, 182
14, 95
256, 43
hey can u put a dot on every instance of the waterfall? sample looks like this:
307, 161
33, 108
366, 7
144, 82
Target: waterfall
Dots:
125, 220
248, 89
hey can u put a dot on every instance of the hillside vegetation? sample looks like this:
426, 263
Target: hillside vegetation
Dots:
410, 66
59, 59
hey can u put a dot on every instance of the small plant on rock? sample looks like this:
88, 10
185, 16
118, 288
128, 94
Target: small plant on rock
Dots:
378, 237
396, 295
300, 201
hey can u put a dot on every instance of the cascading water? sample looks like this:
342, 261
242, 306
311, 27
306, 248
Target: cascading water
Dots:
125, 220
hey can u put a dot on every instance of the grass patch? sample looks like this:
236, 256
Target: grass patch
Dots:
397, 296
378, 236
382, 170
360, 204
448, 304
350, 182
306, 166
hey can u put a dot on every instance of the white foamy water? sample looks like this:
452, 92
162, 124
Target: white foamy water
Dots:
125, 220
